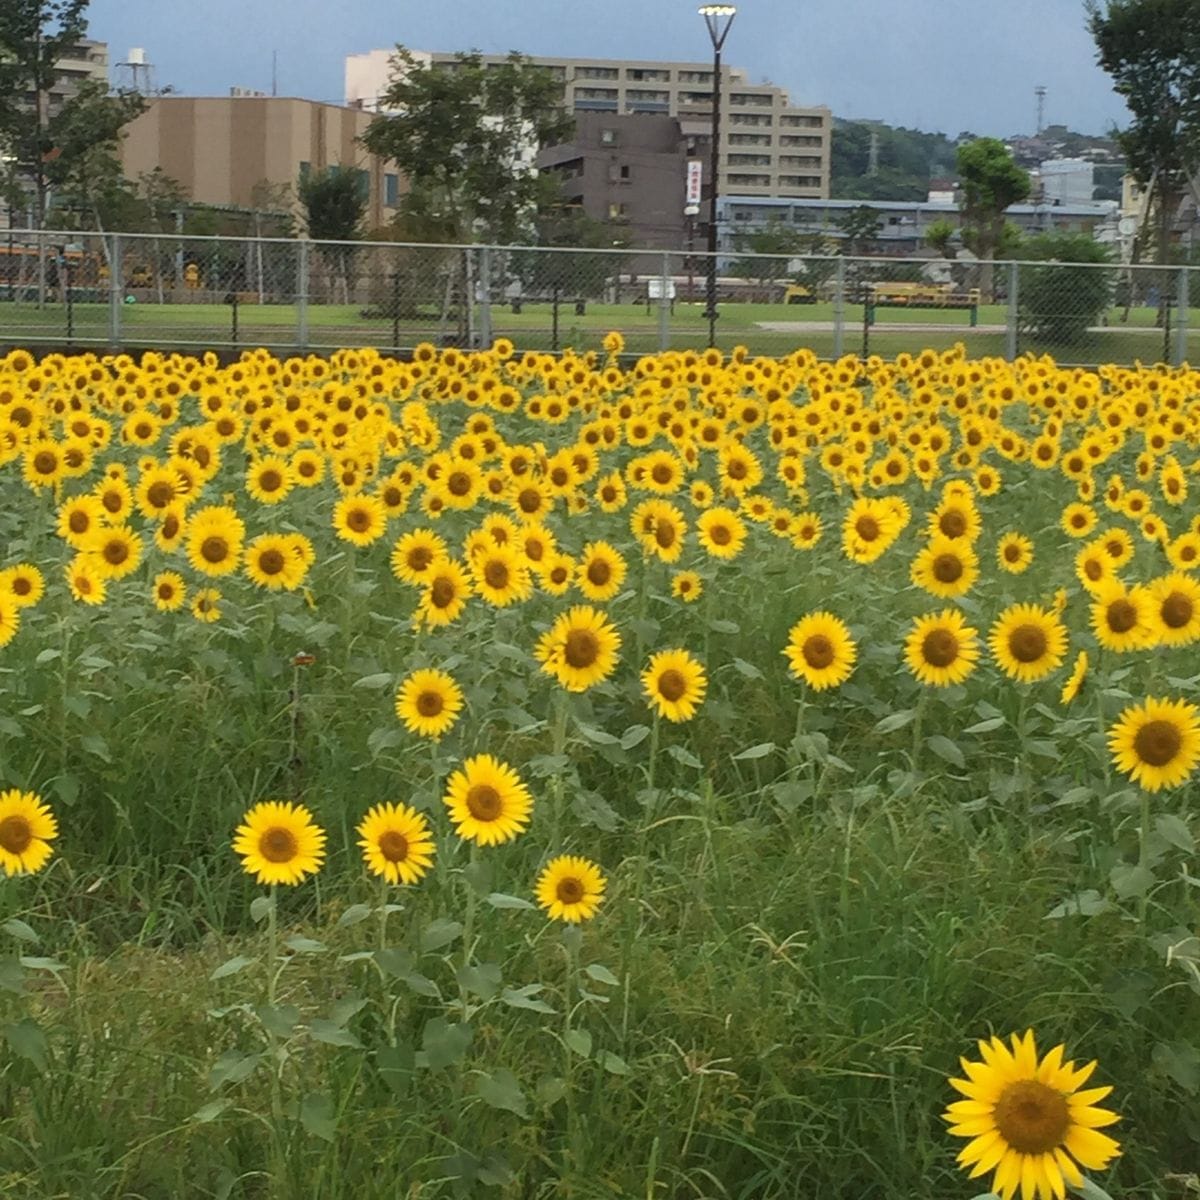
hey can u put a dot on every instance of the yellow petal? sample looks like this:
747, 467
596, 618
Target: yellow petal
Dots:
1091, 1096
998, 1150
977, 1148
1092, 1149
1093, 1118
973, 1127
1055, 1176
969, 1108
1008, 1175
1050, 1064
1068, 1168
1029, 1176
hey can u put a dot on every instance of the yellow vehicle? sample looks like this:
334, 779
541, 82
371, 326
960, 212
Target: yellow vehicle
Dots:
922, 295
798, 293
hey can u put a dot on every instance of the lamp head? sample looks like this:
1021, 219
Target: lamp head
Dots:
718, 18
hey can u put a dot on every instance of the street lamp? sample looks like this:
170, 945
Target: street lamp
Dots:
719, 19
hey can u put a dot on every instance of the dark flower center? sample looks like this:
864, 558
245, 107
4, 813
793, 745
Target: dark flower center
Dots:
1158, 742
569, 890
947, 568
214, 550
484, 802
15, 834
393, 845
582, 649
1121, 616
278, 845
940, 648
818, 652
430, 704
671, 685
1177, 610
1031, 1117
1027, 643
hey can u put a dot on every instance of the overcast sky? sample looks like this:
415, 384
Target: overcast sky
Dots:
946, 65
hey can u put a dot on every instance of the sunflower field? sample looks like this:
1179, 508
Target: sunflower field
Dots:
594, 776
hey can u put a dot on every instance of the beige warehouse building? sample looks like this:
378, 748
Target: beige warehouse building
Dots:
769, 147
223, 149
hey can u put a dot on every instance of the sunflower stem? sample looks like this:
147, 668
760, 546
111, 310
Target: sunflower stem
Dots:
468, 927
558, 782
273, 1049
383, 911
1144, 854
570, 948
293, 762
918, 721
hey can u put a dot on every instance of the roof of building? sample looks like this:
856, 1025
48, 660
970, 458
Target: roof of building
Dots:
1095, 208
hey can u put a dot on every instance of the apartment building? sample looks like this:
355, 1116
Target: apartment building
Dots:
224, 149
769, 147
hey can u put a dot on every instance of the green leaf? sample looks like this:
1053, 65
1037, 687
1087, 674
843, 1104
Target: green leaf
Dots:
232, 1067
210, 1111
17, 928
894, 721
353, 915
1089, 1190
46, 656
1173, 830
332, 1034
635, 735
12, 977
721, 625
386, 737
260, 908
1131, 880
280, 1020
501, 1090
347, 1007
299, 944
593, 810
1180, 1061
494, 1171
399, 965
439, 933
444, 1044
598, 736
67, 788
683, 756
579, 1041
481, 979
94, 744
501, 900
27, 1040
988, 726
374, 682
396, 1065
317, 1115
1089, 903
231, 966
601, 974
525, 997
747, 669
614, 1064
946, 750
759, 751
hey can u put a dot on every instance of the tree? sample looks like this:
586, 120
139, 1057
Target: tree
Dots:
860, 227
775, 239
938, 237
1151, 48
1060, 303
335, 203
465, 138
73, 148
990, 182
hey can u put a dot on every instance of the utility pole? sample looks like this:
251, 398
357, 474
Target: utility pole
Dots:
1040, 93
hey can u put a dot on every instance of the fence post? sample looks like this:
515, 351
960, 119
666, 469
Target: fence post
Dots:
1010, 328
469, 298
485, 297
1181, 318
116, 286
839, 308
664, 304
302, 294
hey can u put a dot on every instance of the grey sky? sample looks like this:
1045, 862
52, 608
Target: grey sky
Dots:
933, 64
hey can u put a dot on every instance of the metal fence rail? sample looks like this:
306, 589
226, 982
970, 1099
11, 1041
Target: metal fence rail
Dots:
145, 291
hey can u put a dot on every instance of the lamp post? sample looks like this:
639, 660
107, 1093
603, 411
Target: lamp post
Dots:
719, 19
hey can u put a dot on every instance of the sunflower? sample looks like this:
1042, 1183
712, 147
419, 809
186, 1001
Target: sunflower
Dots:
1157, 744
157, 489
27, 827
1094, 567
674, 683
1028, 1121
660, 529
945, 567
168, 591
687, 586
570, 889
214, 540
206, 605
1028, 642
487, 801
721, 533
1122, 618
270, 479
428, 702
279, 842
1074, 683
1078, 520
557, 573
600, 571
501, 576
869, 529
941, 649
396, 843
416, 553
10, 618
115, 498
820, 651
24, 583
360, 520
580, 649
955, 518
272, 562
1014, 553
116, 551
447, 589
44, 464
85, 580
78, 520
1176, 600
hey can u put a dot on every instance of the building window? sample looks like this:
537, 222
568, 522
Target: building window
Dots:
608, 137
625, 171
391, 190
364, 184
305, 171
596, 73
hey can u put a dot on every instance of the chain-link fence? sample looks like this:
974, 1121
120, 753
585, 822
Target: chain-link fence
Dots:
139, 291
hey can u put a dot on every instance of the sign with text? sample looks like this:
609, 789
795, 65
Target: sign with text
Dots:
695, 179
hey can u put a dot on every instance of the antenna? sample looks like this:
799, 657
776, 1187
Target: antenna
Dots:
274, 72
1040, 93
873, 159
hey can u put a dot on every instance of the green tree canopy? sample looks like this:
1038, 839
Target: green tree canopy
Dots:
860, 227
73, 148
990, 182
1151, 48
335, 203
463, 135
